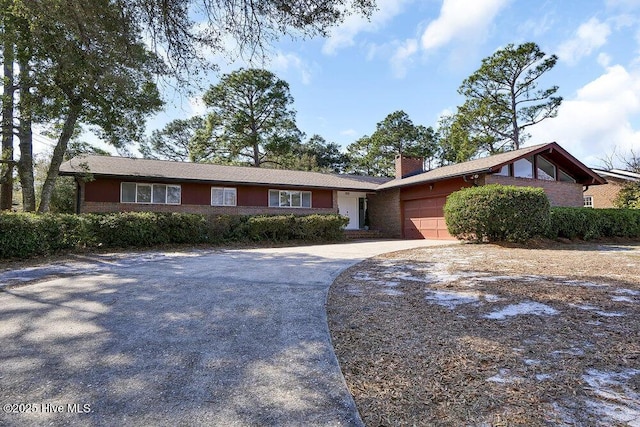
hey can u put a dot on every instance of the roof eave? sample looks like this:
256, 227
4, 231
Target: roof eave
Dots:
367, 188
400, 184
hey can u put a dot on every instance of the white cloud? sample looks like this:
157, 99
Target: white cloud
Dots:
343, 35
590, 35
604, 59
283, 62
623, 4
461, 20
605, 113
349, 132
402, 57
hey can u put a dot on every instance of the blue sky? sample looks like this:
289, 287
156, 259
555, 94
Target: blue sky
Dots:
413, 55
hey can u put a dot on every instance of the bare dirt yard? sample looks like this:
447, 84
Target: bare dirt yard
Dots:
490, 335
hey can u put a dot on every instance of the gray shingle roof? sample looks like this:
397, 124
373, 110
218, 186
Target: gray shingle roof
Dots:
484, 164
201, 172
493, 164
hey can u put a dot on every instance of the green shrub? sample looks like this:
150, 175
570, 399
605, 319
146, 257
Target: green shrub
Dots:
497, 213
19, 235
275, 228
588, 224
322, 227
23, 235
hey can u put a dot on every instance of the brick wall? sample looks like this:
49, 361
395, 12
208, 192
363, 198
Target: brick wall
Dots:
559, 193
604, 195
103, 207
384, 212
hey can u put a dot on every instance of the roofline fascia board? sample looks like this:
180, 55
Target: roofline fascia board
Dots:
442, 178
616, 176
581, 165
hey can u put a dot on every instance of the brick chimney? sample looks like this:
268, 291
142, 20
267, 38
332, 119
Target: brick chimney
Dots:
407, 166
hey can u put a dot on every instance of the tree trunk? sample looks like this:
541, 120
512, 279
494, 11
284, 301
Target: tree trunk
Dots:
6, 168
25, 133
58, 154
514, 118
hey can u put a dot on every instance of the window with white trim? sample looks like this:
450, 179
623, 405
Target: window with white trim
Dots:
588, 201
289, 199
143, 193
224, 196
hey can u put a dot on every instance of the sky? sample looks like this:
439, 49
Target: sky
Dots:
412, 55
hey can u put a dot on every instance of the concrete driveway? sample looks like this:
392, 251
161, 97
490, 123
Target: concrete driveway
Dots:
227, 337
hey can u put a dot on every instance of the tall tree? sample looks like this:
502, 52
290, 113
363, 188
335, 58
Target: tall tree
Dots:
26, 108
327, 155
86, 65
75, 76
396, 134
453, 141
503, 98
173, 142
7, 25
250, 119
364, 158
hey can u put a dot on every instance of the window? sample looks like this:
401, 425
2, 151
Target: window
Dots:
523, 168
546, 169
223, 196
588, 201
162, 194
143, 193
504, 171
128, 192
564, 177
289, 199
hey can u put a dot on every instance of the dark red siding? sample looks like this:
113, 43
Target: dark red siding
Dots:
108, 190
196, 194
322, 199
102, 190
253, 196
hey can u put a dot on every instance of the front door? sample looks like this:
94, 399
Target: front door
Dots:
348, 206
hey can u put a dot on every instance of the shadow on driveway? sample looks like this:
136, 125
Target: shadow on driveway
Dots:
218, 338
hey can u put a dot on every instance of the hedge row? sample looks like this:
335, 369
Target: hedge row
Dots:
587, 224
23, 235
507, 213
497, 213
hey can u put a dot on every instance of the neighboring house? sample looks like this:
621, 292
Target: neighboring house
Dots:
603, 196
409, 206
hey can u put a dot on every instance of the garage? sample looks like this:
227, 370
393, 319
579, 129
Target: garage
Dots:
424, 219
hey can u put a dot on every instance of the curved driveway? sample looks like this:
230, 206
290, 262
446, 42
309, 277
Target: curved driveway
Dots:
228, 337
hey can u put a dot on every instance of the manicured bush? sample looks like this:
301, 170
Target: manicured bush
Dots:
276, 228
497, 213
322, 227
23, 235
588, 224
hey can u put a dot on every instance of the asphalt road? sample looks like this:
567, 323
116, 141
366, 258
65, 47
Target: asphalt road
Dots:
225, 337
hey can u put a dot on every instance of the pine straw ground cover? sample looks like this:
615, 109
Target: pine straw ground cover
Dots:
487, 335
